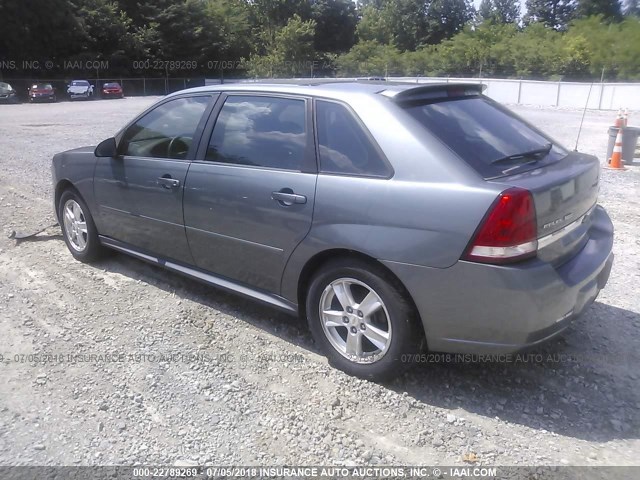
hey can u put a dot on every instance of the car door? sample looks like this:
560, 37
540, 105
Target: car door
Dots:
249, 195
139, 193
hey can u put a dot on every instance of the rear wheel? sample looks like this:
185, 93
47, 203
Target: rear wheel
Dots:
79, 230
361, 318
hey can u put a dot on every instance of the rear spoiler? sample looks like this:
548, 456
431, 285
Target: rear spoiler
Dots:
432, 91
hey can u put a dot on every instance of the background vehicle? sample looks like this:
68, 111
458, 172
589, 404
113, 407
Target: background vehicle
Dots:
8, 94
80, 89
42, 92
112, 90
389, 215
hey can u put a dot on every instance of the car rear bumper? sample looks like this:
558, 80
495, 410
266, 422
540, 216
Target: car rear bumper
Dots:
477, 308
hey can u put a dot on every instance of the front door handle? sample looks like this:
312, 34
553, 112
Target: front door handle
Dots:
286, 197
167, 182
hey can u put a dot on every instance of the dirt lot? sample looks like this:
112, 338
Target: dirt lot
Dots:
194, 375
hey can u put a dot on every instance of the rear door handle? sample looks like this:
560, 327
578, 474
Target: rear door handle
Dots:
168, 182
286, 197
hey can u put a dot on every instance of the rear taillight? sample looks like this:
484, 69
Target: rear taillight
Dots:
508, 232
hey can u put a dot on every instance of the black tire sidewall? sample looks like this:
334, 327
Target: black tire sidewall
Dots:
405, 338
93, 250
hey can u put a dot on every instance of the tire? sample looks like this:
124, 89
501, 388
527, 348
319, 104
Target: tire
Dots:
372, 346
81, 235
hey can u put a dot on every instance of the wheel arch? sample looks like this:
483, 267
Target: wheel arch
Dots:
61, 187
316, 262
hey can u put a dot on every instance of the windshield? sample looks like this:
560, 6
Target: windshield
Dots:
484, 134
5, 87
79, 83
111, 85
42, 86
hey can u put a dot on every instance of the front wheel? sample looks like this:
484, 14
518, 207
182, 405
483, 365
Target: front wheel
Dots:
361, 317
79, 230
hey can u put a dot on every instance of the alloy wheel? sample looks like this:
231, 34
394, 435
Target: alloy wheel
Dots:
355, 320
75, 225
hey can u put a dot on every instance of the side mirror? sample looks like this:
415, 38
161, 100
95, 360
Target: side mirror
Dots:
107, 148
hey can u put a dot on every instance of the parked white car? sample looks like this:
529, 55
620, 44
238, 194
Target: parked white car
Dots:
80, 89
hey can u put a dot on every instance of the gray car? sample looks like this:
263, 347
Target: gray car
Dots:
394, 217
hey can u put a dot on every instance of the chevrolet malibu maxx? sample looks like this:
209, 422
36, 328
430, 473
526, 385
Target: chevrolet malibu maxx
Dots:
393, 217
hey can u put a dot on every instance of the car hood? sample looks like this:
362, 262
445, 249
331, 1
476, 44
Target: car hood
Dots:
87, 149
78, 89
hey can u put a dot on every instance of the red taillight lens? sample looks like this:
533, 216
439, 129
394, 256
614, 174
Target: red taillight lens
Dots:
508, 233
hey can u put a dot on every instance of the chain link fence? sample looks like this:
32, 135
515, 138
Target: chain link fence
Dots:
130, 86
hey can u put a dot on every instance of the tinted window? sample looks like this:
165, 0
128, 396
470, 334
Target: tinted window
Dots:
166, 131
260, 131
344, 146
480, 132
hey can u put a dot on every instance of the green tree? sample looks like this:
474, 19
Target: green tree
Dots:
536, 52
39, 30
507, 11
291, 54
485, 10
445, 18
609, 9
480, 51
335, 24
500, 11
409, 22
575, 58
369, 58
627, 54
268, 16
374, 26
107, 29
552, 13
229, 20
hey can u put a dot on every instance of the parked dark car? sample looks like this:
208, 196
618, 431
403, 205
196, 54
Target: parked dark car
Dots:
8, 94
112, 90
42, 92
394, 217
80, 89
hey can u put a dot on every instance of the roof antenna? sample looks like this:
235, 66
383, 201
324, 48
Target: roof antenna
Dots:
583, 114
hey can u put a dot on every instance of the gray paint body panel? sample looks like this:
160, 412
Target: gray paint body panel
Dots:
236, 229
417, 223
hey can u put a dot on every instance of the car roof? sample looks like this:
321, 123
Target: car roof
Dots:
338, 89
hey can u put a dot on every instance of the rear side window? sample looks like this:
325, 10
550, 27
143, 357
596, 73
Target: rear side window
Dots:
481, 132
260, 131
345, 148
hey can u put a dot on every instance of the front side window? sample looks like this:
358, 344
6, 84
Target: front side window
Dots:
260, 131
167, 131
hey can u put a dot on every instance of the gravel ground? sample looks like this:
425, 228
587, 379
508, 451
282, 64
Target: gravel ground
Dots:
147, 367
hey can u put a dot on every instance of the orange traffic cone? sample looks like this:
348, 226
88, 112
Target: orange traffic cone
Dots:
615, 162
619, 120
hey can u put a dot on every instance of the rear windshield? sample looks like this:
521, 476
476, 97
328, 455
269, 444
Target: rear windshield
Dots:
79, 83
111, 85
485, 134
